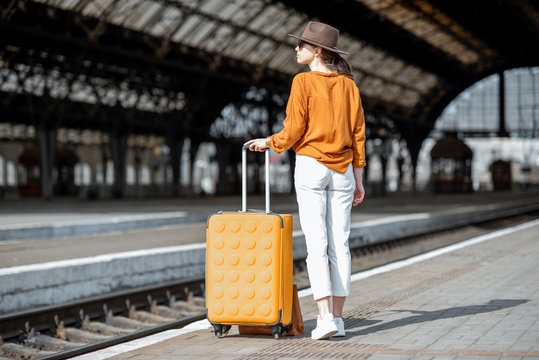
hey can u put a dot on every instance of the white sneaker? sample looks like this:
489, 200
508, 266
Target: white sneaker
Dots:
340, 325
324, 327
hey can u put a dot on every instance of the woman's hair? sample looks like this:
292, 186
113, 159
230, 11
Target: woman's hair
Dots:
335, 62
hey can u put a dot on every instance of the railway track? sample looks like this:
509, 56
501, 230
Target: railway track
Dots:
67, 330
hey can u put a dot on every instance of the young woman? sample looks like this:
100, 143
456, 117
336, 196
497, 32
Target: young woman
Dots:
325, 124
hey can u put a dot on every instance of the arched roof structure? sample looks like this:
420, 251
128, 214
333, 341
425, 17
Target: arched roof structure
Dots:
156, 66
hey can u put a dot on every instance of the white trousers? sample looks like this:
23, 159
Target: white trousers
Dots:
325, 200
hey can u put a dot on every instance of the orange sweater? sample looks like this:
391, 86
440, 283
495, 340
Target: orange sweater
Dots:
324, 120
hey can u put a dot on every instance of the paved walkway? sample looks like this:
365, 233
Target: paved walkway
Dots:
479, 301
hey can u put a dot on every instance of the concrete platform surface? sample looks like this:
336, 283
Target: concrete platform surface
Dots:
478, 299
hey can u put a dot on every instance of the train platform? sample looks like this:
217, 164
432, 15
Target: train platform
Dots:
477, 299
42, 272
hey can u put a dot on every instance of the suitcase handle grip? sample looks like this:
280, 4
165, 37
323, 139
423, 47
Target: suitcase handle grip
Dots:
244, 179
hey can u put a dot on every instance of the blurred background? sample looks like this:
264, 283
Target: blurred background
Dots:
105, 99
122, 122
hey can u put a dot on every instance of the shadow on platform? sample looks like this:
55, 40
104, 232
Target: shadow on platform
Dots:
425, 316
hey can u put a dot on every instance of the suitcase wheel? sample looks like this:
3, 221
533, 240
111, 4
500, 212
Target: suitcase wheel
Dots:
278, 331
217, 330
221, 331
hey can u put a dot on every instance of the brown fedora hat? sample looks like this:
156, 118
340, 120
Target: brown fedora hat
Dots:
320, 34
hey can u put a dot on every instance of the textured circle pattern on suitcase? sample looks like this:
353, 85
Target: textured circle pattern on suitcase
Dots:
243, 268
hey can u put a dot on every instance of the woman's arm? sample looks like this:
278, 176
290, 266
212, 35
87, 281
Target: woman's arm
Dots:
359, 192
258, 144
294, 123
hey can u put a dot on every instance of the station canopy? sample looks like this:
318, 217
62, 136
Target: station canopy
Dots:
410, 57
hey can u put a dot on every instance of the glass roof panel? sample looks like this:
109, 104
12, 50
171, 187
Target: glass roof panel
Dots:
262, 51
424, 82
389, 67
391, 92
469, 56
91, 8
235, 42
401, 15
134, 13
201, 31
284, 60
232, 8
283, 24
62, 3
215, 7
380, 4
219, 39
396, 67
170, 19
247, 47
349, 45
421, 27
423, 20
142, 15
246, 12
292, 24
365, 85
123, 10
358, 77
192, 4
376, 87
265, 18
256, 31
407, 74
408, 98
187, 27
439, 38
368, 58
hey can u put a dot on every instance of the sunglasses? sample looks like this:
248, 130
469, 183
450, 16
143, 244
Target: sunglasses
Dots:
301, 43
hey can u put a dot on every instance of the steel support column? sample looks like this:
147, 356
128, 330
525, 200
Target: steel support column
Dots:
193, 150
176, 145
223, 156
46, 143
118, 149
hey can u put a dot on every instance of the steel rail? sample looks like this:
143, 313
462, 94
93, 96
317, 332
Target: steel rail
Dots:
124, 338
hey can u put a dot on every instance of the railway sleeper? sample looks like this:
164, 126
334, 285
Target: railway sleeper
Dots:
18, 351
192, 305
78, 335
125, 323
50, 343
196, 300
187, 308
103, 328
147, 317
166, 311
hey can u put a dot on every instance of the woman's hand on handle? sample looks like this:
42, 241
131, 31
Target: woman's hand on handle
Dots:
359, 191
258, 144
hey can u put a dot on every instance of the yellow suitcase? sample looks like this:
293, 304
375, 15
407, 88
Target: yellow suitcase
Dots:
249, 269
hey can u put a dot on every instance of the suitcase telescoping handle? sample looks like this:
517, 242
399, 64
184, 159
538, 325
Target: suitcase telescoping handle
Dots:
244, 179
